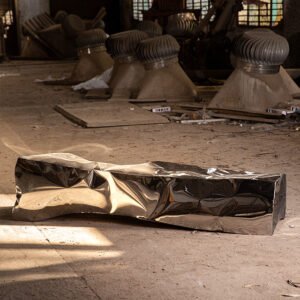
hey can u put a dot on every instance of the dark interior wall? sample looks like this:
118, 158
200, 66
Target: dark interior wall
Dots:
291, 17
291, 23
11, 42
87, 9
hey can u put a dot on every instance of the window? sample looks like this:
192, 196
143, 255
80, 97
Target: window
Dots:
261, 13
8, 18
204, 5
6, 14
139, 5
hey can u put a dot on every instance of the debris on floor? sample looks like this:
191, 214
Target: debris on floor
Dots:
210, 199
109, 114
97, 82
294, 284
138, 74
291, 295
50, 78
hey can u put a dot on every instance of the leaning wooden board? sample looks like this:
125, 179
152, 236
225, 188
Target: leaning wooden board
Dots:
95, 114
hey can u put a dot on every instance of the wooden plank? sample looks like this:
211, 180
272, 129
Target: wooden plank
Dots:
100, 15
203, 121
192, 105
95, 114
173, 100
147, 100
242, 112
244, 118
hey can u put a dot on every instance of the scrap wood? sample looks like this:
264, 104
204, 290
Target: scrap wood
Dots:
284, 112
192, 105
100, 15
241, 112
108, 114
148, 100
169, 100
244, 118
203, 121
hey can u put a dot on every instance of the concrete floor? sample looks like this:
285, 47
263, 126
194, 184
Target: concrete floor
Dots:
100, 257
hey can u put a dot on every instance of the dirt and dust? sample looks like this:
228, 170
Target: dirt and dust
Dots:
99, 257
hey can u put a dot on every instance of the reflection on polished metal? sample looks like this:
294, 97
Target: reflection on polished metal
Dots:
258, 81
164, 78
128, 71
93, 57
211, 199
151, 28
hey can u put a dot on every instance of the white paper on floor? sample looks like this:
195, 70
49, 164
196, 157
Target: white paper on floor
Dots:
49, 78
9, 74
98, 82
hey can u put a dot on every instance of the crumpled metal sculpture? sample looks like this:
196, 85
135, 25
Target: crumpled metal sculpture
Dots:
211, 199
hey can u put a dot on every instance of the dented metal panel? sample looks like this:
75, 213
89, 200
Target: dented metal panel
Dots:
189, 196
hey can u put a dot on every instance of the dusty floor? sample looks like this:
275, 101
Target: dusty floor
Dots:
98, 257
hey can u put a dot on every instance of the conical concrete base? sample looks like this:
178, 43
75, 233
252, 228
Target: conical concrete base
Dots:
90, 64
169, 82
254, 92
31, 49
126, 78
